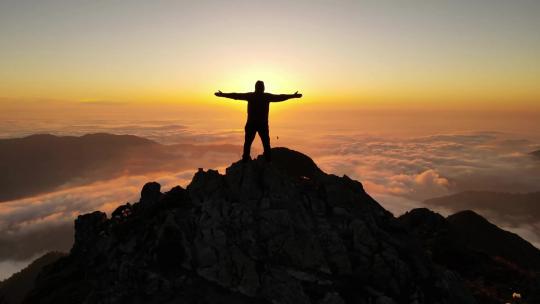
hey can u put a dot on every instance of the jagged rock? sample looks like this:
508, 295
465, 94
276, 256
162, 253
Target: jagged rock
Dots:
281, 232
150, 193
88, 228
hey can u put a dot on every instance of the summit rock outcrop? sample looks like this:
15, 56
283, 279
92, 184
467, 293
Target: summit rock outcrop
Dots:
280, 232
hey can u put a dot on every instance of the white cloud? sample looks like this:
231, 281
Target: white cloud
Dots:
433, 165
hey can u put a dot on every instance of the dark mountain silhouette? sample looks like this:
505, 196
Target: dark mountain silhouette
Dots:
481, 235
510, 203
280, 232
15, 289
513, 208
495, 263
53, 161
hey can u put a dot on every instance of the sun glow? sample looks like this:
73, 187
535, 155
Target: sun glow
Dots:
276, 80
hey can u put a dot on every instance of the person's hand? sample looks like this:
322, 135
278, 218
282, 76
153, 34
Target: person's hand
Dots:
218, 93
296, 95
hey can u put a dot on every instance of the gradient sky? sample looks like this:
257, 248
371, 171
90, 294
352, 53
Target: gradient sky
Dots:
456, 54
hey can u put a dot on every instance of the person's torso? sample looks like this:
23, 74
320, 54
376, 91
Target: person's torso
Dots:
258, 108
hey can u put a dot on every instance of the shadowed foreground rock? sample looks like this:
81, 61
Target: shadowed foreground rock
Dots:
15, 289
284, 232
493, 262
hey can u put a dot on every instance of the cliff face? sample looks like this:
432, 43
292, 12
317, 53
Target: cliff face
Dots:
281, 232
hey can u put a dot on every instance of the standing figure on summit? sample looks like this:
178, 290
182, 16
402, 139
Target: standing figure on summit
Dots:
257, 120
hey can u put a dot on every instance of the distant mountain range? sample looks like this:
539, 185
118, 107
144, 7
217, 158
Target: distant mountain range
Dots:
514, 208
42, 163
519, 212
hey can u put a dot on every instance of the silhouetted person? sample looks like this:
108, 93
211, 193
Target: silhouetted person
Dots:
257, 120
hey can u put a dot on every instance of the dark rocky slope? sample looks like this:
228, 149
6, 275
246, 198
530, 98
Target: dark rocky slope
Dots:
284, 232
14, 289
494, 263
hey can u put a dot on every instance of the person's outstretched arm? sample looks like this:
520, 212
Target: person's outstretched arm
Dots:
237, 96
283, 97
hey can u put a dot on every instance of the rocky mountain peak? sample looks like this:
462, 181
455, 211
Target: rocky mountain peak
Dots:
280, 232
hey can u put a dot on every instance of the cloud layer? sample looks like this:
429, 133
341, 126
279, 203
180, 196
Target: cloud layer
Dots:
423, 167
399, 172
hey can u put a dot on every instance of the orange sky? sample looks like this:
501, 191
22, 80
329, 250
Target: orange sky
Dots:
458, 55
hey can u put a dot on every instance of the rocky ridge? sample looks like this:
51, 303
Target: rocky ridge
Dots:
494, 263
280, 232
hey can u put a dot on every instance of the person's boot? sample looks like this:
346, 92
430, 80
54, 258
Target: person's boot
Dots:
267, 157
246, 158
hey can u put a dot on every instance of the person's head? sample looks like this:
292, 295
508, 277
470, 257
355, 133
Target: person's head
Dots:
259, 86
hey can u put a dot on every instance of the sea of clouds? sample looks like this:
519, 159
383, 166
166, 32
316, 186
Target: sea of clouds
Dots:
419, 168
400, 172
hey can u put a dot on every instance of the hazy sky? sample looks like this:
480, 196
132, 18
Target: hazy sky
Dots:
474, 54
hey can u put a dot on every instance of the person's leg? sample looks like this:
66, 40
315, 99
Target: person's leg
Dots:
248, 140
265, 138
